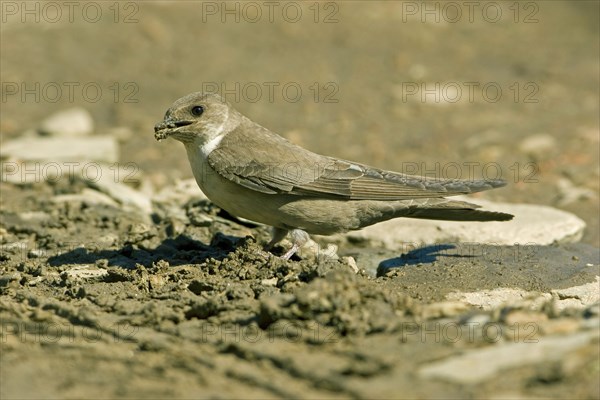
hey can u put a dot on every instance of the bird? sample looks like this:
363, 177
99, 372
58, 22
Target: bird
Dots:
253, 173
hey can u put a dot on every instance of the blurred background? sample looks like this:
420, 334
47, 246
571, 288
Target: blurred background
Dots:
455, 89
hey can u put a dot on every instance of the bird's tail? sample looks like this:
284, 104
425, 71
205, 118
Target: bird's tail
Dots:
452, 210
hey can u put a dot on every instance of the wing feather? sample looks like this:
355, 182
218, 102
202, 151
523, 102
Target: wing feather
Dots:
252, 156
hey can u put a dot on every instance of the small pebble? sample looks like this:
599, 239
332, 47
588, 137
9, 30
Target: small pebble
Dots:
67, 123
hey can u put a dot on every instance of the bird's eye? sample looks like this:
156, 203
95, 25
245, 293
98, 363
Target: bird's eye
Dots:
197, 110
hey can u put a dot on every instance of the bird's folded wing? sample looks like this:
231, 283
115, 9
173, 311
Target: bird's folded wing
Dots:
268, 163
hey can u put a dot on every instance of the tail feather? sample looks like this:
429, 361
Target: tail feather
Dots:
452, 210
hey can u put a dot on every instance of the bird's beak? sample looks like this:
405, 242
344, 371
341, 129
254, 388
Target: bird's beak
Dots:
162, 130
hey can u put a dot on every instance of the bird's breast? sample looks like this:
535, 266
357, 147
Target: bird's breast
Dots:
234, 198
319, 216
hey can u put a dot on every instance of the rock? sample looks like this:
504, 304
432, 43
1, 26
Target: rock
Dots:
180, 193
68, 123
123, 194
7, 279
176, 226
59, 149
34, 216
533, 224
478, 319
169, 204
495, 298
569, 193
481, 364
523, 317
538, 146
139, 232
19, 247
592, 311
311, 250
101, 177
269, 282
196, 218
578, 297
86, 271
87, 197
37, 253
561, 326
104, 178
351, 263
104, 241
156, 282
443, 309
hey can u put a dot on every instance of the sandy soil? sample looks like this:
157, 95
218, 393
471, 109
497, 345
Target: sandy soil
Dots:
100, 301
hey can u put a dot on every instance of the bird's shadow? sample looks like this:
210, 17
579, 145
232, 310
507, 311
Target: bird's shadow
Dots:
423, 255
179, 250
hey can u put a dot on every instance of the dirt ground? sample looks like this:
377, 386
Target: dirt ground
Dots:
103, 301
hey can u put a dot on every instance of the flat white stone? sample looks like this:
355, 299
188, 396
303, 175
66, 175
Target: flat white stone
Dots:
492, 299
123, 194
68, 123
578, 296
575, 297
57, 149
538, 145
87, 196
532, 225
34, 216
478, 365
86, 271
104, 178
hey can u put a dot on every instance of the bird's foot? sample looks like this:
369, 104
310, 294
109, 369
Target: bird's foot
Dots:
299, 238
288, 254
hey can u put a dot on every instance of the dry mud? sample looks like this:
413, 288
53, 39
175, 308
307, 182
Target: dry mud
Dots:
134, 309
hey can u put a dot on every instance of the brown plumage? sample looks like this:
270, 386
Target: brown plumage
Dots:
253, 173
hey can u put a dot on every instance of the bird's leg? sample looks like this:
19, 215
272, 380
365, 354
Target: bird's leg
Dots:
299, 239
278, 235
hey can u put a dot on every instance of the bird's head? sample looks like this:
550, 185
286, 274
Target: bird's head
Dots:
197, 117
